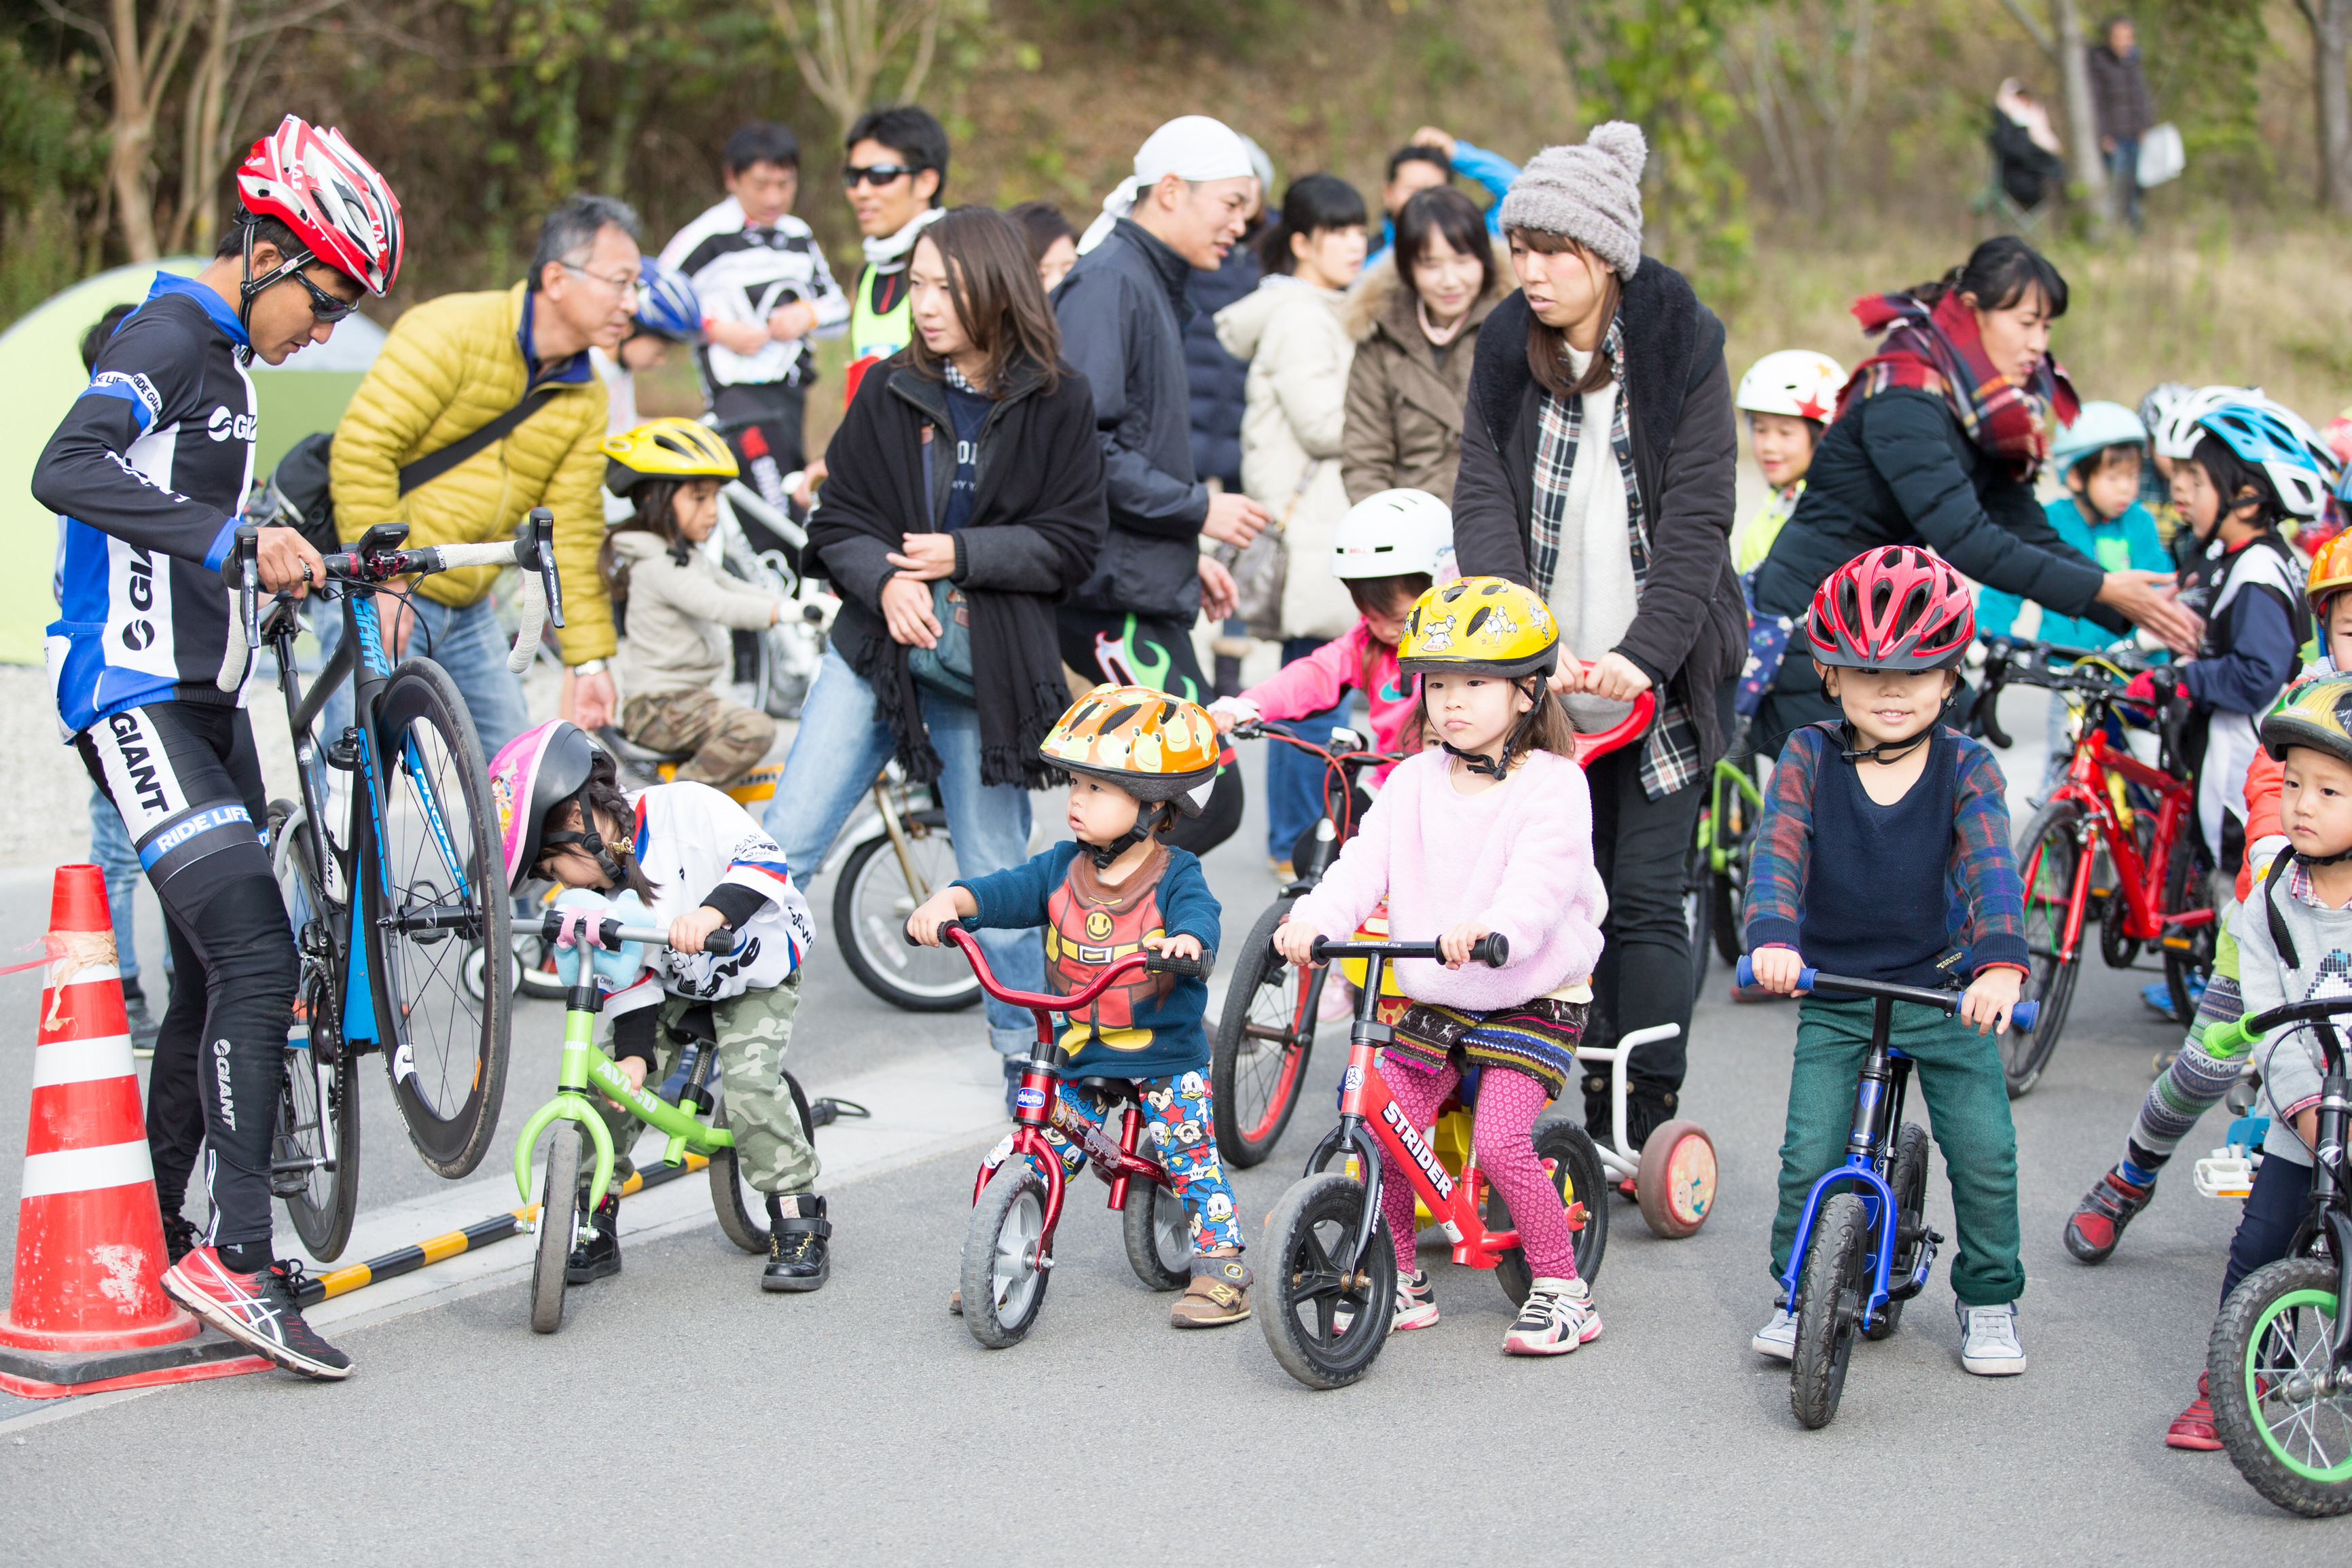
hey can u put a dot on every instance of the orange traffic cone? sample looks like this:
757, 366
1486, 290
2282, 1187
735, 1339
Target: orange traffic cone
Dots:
88, 1311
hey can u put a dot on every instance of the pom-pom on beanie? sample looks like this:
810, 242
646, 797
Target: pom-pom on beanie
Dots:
1590, 193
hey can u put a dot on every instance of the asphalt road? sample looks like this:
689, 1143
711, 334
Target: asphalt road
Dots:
863, 1423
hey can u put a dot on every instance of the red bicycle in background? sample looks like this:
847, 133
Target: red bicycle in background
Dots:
2116, 844
1008, 1250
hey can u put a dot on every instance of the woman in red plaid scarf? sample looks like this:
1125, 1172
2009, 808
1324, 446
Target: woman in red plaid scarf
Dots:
1937, 441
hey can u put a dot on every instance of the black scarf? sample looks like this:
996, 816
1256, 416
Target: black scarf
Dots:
1017, 685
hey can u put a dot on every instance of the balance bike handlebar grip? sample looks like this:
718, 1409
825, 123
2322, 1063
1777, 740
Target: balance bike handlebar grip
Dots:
907, 931
1494, 949
1195, 968
2021, 1016
610, 933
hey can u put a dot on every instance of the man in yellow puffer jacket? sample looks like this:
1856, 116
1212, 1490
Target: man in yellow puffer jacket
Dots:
450, 367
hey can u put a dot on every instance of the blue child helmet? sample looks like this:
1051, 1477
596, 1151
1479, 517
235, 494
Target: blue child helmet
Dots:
2300, 466
2099, 426
667, 304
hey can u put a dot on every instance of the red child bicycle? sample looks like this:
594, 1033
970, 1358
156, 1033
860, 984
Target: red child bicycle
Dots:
1333, 1277
1008, 1249
2092, 854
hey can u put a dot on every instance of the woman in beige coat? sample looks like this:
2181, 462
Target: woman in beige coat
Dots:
1294, 415
1415, 319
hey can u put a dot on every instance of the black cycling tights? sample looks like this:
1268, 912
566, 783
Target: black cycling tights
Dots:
1155, 651
186, 780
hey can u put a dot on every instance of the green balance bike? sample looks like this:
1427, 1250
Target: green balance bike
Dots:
2279, 1364
695, 1122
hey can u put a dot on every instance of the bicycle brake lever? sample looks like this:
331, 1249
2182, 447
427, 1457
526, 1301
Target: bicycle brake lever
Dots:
542, 544
248, 597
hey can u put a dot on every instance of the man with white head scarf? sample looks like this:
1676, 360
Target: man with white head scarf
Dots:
1122, 311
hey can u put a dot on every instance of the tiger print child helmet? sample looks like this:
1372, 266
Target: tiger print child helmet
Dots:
1151, 745
1479, 626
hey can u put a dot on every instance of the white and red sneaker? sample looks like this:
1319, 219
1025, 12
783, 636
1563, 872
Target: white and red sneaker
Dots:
257, 1311
1416, 1302
1558, 1317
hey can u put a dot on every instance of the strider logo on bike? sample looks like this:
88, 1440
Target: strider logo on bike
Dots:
1410, 1138
1090, 924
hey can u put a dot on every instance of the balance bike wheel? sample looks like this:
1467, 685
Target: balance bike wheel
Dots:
1567, 1152
1158, 1235
1676, 1182
742, 1212
1327, 1319
1829, 1309
1003, 1285
558, 1224
2263, 1364
1907, 1174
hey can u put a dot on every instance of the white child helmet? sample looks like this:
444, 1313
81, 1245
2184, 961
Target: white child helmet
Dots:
1393, 534
1796, 382
2177, 435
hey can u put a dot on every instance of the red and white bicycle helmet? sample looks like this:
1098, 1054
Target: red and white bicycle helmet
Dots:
1895, 608
344, 212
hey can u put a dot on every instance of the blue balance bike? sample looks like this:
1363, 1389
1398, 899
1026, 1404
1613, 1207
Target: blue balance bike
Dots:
1863, 1247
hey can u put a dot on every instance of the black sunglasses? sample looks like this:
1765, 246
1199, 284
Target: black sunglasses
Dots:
877, 173
324, 306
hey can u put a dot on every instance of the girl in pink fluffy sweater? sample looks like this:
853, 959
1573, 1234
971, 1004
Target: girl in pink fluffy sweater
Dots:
1493, 833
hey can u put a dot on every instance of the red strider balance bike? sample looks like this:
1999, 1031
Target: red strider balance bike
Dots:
1008, 1250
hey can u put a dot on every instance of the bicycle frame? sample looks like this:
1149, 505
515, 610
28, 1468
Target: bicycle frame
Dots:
1370, 1122
1037, 1106
1731, 783
2096, 763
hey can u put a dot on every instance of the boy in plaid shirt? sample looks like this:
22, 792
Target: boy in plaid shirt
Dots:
1883, 854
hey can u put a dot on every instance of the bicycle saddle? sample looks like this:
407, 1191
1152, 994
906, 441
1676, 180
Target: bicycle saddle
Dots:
1108, 1091
627, 751
696, 1024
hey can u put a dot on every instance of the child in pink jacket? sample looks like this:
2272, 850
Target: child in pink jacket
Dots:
1389, 548
1493, 833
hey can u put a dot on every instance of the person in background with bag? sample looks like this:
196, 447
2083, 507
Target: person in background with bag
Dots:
480, 407
2124, 112
1295, 411
966, 498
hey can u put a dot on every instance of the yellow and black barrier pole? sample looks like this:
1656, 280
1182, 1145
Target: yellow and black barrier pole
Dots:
496, 1228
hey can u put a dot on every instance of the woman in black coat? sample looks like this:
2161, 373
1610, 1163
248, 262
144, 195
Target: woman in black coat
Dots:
965, 499
1627, 537
1910, 459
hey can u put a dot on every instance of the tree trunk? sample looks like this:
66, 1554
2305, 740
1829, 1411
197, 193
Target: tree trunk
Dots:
2331, 33
130, 137
2082, 120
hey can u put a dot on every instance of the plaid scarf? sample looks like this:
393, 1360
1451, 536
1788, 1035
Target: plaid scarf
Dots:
1942, 351
1669, 755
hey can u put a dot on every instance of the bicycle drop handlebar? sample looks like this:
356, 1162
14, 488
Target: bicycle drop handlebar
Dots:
533, 551
1494, 950
2021, 1016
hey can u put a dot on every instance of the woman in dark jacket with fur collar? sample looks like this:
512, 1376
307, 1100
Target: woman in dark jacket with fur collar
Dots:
968, 459
1598, 457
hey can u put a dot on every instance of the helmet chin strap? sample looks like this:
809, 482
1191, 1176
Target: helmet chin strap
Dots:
2336, 859
250, 288
1499, 765
1889, 752
1104, 854
591, 842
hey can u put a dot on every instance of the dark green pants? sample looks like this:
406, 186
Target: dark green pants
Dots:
1957, 1073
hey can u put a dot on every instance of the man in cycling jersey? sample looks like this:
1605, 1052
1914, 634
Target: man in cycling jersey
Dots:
148, 471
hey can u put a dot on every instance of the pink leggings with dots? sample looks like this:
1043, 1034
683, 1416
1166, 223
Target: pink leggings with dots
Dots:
1508, 1105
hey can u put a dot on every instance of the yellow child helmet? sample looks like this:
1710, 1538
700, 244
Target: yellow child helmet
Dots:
666, 449
1479, 625
2316, 714
1153, 746
2331, 572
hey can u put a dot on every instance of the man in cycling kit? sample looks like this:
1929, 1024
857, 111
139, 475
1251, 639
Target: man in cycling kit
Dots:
148, 472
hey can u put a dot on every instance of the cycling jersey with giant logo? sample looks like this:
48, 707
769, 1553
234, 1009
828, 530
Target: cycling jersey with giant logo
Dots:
1090, 924
147, 473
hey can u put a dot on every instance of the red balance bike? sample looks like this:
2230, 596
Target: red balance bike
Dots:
1333, 1276
1008, 1250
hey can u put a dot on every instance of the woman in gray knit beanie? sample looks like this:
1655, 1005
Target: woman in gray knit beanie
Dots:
1597, 459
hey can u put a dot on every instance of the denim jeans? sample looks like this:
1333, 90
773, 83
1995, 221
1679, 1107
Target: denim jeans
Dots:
835, 759
468, 643
2123, 181
109, 846
1294, 779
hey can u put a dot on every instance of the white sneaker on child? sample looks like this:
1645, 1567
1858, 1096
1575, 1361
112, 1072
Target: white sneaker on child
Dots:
1416, 1303
1777, 1339
1558, 1317
1988, 1345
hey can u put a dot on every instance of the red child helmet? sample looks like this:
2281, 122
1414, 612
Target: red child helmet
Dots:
1895, 608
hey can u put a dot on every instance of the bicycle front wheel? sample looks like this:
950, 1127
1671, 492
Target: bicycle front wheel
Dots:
2268, 1368
442, 901
1258, 1064
871, 901
2049, 856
